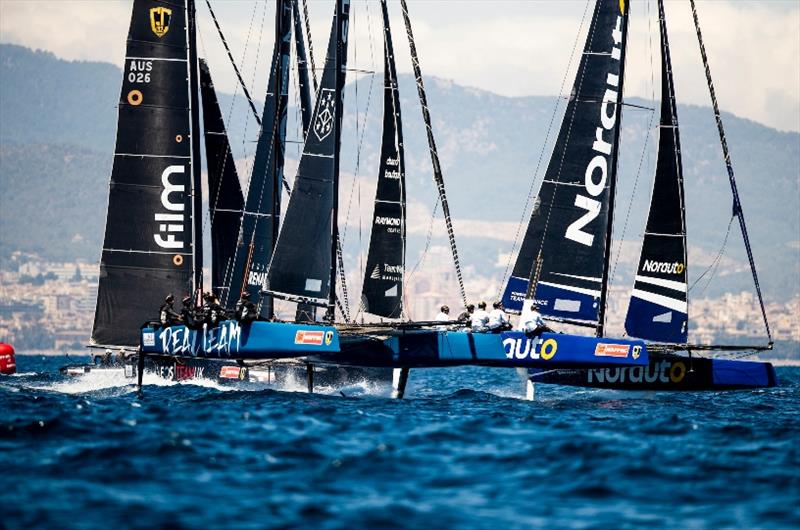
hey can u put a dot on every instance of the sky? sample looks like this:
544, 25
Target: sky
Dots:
509, 47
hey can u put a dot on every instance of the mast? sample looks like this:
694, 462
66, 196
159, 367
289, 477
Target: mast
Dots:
737, 204
197, 196
437, 168
612, 186
342, 14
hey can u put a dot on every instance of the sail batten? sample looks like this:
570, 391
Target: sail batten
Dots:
567, 237
148, 245
658, 308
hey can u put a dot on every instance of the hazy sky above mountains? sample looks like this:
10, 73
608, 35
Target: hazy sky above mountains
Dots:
512, 47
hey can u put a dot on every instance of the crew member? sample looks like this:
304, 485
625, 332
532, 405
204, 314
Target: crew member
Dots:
213, 311
167, 315
498, 320
466, 316
188, 313
444, 314
245, 309
480, 318
531, 321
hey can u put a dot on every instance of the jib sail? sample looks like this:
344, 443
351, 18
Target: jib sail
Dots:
260, 220
564, 254
147, 249
301, 264
225, 200
658, 307
382, 293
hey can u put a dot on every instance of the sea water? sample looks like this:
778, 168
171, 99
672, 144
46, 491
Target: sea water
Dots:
464, 450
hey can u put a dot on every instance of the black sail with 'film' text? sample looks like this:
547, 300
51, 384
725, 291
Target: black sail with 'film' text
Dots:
147, 249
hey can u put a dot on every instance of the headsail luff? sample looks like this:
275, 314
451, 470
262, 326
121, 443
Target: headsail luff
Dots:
658, 307
147, 249
568, 229
382, 292
225, 199
303, 81
301, 264
257, 235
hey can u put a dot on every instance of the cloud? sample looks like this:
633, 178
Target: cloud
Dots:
511, 48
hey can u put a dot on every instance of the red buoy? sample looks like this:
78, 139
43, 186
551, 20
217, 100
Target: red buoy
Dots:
8, 364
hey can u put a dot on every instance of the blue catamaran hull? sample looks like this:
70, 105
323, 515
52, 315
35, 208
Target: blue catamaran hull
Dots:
417, 348
667, 372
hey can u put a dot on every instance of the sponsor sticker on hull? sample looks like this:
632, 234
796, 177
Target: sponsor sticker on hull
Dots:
612, 350
310, 338
229, 372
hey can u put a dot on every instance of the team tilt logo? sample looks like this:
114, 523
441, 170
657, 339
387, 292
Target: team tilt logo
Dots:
159, 20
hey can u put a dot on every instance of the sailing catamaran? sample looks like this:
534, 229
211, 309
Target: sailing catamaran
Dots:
159, 172
564, 259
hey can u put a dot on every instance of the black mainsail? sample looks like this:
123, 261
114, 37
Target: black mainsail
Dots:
658, 308
225, 199
148, 244
302, 263
382, 292
259, 227
563, 260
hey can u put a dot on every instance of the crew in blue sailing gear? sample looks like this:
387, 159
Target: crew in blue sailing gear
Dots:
245, 309
188, 314
498, 320
167, 315
480, 319
531, 321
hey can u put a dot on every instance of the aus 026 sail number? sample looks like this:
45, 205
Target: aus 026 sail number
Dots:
526, 348
139, 71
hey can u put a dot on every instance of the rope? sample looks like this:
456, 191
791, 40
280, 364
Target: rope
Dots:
737, 206
437, 170
310, 45
233, 63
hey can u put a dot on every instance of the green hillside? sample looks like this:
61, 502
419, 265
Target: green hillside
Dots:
58, 120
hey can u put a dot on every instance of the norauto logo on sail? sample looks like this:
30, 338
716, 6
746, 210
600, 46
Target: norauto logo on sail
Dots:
596, 172
663, 267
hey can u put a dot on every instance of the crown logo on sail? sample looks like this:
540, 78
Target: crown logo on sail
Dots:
323, 125
159, 20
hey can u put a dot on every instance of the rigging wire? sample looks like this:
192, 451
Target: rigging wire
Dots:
715, 262
437, 168
541, 155
737, 206
310, 45
233, 62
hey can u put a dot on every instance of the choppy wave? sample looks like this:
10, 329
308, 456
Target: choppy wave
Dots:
464, 450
